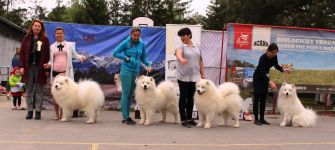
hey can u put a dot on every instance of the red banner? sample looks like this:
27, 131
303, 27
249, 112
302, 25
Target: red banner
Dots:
242, 37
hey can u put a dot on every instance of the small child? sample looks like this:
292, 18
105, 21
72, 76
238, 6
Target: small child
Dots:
16, 87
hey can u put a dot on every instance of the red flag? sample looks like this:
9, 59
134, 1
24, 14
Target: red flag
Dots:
242, 37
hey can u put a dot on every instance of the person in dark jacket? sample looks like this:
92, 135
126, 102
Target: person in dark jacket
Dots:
34, 54
261, 81
15, 59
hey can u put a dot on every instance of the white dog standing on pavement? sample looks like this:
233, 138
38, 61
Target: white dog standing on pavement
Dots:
86, 95
210, 101
291, 108
117, 81
150, 99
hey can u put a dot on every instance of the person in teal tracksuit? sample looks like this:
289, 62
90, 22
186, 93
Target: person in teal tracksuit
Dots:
132, 52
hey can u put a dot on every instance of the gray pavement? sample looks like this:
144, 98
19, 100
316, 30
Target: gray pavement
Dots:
17, 133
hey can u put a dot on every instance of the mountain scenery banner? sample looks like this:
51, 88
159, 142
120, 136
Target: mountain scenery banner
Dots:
98, 42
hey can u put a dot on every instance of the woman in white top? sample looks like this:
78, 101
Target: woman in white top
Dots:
61, 54
190, 68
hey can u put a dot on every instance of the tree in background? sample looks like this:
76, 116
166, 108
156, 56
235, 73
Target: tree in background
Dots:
115, 12
17, 16
160, 11
2, 8
58, 14
216, 15
300, 13
196, 18
92, 12
177, 10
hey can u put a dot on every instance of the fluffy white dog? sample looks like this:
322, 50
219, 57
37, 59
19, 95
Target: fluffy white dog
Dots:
150, 99
210, 101
117, 81
291, 108
86, 95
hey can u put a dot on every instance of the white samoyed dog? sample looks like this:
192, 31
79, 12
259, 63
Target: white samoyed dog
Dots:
210, 101
292, 110
150, 99
117, 81
86, 95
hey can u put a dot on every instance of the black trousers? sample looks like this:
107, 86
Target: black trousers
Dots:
18, 99
186, 100
259, 100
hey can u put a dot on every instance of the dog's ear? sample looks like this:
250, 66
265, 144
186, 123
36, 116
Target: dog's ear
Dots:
207, 82
284, 83
137, 78
151, 79
293, 85
66, 80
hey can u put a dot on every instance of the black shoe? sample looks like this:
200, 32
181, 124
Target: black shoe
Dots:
129, 121
38, 115
186, 124
29, 115
257, 122
132, 121
192, 122
265, 122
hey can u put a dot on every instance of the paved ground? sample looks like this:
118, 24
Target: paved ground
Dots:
17, 133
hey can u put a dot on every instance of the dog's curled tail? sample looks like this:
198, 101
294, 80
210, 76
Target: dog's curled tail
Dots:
167, 88
310, 117
91, 87
228, 88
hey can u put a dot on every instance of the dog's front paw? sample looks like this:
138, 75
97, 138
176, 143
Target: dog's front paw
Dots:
207, 126
64, 120
296, 125
282, 124
141, 122
147, 123
236, 125
200, 124
161, 121
222, 123
89, 122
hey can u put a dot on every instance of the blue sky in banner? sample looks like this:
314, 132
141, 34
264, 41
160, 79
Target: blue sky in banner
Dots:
306, 49
102, 40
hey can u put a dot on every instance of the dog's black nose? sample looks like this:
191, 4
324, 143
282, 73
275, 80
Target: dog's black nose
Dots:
286, 93
145, 86
56, 86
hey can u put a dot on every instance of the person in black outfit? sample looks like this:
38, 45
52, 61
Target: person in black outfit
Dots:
261, 81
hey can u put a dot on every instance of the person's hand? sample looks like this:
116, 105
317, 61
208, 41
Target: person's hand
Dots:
83, 59
273, 86
46, 66
149, 69
287, 70
183, 61
22, 71
127, 59
202, 76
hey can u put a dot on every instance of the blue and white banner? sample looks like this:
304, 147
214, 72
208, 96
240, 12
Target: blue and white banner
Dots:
98, 43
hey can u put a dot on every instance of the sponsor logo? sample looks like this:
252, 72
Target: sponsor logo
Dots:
89, 37
243, 37
242, 40
261, 43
